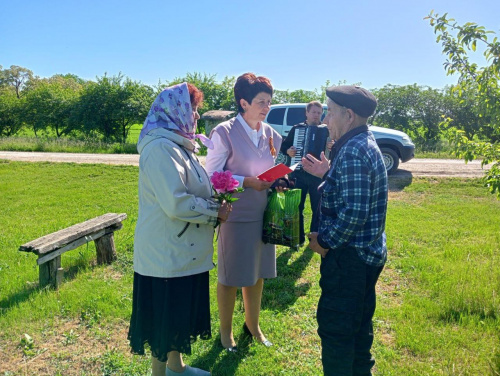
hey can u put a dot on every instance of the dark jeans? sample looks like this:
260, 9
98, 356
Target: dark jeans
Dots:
345, 312
308, 184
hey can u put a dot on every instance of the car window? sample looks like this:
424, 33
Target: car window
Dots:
276, 116
295, 115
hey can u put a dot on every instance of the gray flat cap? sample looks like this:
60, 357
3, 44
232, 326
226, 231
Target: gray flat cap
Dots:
360, 100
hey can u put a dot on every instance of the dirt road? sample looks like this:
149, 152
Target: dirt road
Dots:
415, 167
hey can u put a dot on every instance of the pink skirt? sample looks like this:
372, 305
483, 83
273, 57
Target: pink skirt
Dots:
242, 257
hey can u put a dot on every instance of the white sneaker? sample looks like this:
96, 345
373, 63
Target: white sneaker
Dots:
189, 371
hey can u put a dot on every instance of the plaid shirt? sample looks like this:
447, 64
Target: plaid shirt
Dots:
354, 198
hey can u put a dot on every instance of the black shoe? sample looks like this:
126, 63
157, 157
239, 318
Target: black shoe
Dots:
249, 333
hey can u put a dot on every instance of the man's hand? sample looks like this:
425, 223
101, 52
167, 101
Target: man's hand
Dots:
314, 245
292, 150
314, 166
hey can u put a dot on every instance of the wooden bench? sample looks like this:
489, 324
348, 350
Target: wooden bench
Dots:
49, 248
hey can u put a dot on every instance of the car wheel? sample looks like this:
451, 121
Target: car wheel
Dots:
391, 160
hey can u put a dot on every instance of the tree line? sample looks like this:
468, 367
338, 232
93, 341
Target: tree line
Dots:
106, 108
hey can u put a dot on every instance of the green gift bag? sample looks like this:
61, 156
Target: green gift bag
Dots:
281, 218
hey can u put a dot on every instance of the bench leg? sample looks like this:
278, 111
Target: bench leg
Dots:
48, 272
59, 277
105, 249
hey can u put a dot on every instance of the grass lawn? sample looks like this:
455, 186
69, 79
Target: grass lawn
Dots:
48, 142
438, 307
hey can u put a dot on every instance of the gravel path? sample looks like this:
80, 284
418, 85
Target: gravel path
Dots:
415, 167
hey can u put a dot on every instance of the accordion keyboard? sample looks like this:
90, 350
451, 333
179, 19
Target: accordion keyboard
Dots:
298, 142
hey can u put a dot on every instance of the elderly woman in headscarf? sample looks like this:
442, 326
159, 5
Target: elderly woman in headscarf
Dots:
173, 245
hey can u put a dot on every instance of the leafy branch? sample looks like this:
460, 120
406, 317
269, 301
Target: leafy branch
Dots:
458, 41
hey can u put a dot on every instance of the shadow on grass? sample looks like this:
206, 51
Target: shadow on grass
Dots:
18, 297
399, 180
456, 315
33, 287
282, 291
220, 361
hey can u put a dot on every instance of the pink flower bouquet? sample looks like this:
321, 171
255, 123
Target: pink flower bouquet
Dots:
225, 185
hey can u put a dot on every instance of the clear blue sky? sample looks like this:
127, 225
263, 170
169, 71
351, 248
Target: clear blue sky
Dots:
298, 45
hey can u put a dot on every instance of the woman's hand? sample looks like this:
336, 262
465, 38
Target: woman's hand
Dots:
224, 211
282, 184
281, 189
255, 183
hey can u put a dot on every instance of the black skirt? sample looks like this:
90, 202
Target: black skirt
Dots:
169, 314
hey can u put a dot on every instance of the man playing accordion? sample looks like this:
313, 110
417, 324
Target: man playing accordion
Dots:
295, 147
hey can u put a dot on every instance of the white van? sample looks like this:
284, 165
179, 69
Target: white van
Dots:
394, 145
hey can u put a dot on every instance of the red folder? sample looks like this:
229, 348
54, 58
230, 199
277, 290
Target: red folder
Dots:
276, 172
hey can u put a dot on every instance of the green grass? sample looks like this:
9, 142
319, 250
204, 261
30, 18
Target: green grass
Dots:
444, 154
438, 309
65, 145
47, 142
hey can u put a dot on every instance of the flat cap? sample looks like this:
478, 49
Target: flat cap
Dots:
360, 100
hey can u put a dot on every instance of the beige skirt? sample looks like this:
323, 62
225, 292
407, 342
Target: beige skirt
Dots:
242, 256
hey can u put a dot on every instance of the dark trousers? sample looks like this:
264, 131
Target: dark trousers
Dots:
345, 312
308, 184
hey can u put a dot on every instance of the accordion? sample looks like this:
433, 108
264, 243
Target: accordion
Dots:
309, 140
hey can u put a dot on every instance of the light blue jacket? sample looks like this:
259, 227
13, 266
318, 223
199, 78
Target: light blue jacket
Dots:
175, 226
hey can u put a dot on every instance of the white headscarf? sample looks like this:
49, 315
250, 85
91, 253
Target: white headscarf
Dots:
172, 110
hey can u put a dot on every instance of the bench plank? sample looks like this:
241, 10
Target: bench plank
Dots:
75, 244
59, 239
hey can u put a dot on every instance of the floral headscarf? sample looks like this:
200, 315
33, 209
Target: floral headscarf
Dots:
172, 110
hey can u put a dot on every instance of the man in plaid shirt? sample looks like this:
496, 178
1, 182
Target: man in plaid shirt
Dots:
350, 237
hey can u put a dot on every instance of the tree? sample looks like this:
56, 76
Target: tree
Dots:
112, 105
458, 42
218, 96
49, 103
413, 109
72, 76
295, 96
9, 112
137, 100
16, 77
465, 114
